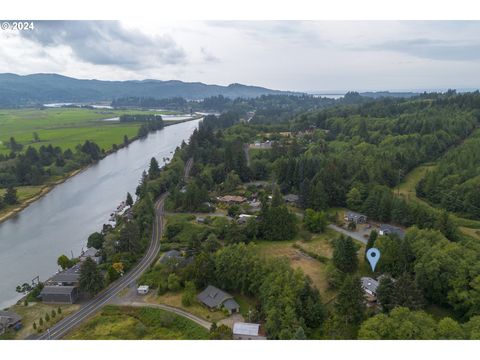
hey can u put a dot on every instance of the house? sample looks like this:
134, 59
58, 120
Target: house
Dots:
386, 229
291, 199
247, 331
68, 277
91, 253
255, 205
370, 286
171, 256
215, 298
9, 320
231, 199
55, 294
357, 218
143, 289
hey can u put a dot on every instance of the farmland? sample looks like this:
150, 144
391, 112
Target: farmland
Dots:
64, 127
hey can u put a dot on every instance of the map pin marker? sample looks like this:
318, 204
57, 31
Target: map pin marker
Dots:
373, 255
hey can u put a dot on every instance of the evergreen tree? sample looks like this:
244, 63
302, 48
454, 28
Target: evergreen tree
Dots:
91, 280
10, 197
154, 169
345, 254
129, 200
386, 294
407, 293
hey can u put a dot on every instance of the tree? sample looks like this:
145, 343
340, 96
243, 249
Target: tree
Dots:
64, 262
125, 140
371, 240
129, 200
36, 138
47, 317
315, 221
354, 199
189, 294
232, 181
154, 169
54, 313
349, 308
345, 254
34, 325
386, 294
91, 280
400, 324
300, 334
59, 310
173, 282
10, 197
407, 293
222, 332
449, 329
96, 240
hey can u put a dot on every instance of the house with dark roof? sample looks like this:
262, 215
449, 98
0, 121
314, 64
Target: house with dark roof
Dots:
9, 320
357, 218
386, 229
68, 277
215, 298
59, 294
91, 253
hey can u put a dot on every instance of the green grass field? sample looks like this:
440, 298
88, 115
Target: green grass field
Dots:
65, 127
130, 323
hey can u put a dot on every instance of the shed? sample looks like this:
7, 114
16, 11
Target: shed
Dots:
247, 331
59, 294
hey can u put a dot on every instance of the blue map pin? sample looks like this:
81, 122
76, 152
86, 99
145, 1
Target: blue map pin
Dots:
373, 255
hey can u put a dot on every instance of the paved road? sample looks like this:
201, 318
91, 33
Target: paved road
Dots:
353, 235
61, 328
204, 323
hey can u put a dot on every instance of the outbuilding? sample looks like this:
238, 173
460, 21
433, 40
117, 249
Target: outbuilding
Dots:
247, 331
59, 294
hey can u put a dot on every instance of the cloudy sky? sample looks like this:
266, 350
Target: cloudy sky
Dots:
324, 56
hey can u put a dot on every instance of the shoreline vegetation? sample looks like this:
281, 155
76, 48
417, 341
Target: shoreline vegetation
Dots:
44, 189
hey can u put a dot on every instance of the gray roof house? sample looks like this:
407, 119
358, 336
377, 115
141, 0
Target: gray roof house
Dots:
357, 218
9, 319
59, 294
215, 298
291, 198
92, 254
369, 285
386, 229
68, 277
247, 331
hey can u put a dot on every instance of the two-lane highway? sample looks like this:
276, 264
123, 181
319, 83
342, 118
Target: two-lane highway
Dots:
65, 325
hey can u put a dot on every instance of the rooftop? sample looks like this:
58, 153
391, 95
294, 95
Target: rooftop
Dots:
9, 317
369, 284
241, 328
213, 297
57, 290
69, 275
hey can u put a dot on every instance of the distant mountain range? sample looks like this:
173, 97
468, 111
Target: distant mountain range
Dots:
35, 89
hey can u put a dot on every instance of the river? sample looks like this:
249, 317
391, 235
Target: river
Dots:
60, 222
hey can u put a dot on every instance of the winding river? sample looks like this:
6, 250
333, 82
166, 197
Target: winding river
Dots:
60, 222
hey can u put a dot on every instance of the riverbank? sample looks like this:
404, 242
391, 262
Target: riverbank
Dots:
49, 186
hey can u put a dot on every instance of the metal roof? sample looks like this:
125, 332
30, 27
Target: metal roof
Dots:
57, 290
390, 229
369, 284
231, 304
241, 328
90, 252
9, 317
70, 275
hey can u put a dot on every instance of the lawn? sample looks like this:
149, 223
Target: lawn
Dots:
64, 127
316, 270
132, 323
175, 299
24, 193
34, 311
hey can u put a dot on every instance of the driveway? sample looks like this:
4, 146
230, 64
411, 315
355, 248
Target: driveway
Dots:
353, 234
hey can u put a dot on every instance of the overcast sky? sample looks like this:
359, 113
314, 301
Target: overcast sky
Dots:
324, 56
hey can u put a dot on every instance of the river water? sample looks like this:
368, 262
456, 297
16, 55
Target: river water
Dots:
60, 222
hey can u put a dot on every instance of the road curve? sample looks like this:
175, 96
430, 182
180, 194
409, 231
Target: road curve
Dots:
61, 328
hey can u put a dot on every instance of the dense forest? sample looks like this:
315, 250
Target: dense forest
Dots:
455, 183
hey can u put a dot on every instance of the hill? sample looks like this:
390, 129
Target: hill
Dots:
35, 89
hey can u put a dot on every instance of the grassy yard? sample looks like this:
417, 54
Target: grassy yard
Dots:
316, 270
24, 193
34, 311
131, 323
175, 299
64, 127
